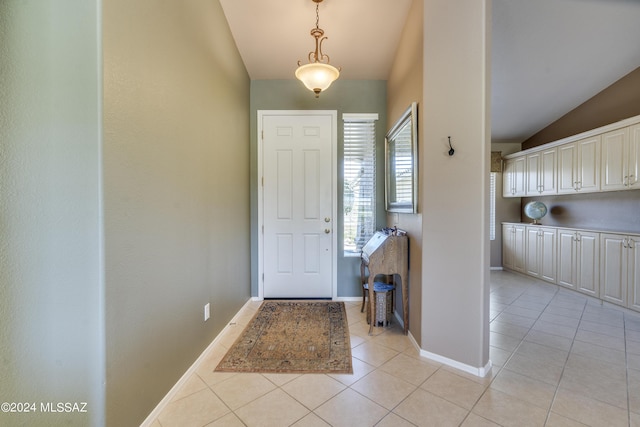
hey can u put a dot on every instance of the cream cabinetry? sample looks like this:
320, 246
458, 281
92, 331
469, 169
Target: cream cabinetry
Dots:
620, 268
541, 176
600, 264
513, 247
579, 166
514, 177
540, 252
603, 159
578, 260
620, 159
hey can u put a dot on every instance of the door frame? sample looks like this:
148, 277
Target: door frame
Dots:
333, 114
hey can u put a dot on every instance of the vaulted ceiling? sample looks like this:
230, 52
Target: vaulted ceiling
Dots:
548, 56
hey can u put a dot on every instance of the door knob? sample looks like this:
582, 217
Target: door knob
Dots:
327, 231
327, 219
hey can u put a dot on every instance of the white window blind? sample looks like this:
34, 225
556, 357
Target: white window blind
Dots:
359, 198
492, 206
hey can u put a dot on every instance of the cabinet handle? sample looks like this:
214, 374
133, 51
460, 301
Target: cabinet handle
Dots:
624, 243
625, 181
632, 180
631, 244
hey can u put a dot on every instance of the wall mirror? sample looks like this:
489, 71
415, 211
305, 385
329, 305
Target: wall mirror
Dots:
401, 163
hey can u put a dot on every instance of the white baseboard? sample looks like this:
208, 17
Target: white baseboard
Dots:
481, 372
347, 299
496, 268
192, 369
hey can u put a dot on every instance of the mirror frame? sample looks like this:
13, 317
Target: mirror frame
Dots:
408, 118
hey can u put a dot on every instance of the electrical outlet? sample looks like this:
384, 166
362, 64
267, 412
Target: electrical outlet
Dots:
207, 311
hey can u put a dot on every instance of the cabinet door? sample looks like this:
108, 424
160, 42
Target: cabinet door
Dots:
547, 256
567, 258
548, 177
508, 247
614, 162
588, 164
567, 181
613, 268
587, 266
532, 181
514, 177
634, 157
519, 245
633, 271
532, 252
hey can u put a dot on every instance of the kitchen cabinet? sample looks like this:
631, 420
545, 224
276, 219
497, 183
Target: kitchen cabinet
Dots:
514, 177
541, 175
579, 166
513, 247
619, 268
620, 159
578, 260
540, 252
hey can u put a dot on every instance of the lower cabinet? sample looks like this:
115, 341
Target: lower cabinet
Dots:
513, 242
578, 261
620, 269
541, 252
602, 265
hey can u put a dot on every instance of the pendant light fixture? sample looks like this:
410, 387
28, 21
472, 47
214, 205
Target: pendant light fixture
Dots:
318, 74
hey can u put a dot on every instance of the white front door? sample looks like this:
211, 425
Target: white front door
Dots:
298, 187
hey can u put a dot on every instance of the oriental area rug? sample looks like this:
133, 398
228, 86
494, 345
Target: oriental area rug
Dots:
293, 337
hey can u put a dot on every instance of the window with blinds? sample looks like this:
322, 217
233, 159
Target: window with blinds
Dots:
359, 197
492, 206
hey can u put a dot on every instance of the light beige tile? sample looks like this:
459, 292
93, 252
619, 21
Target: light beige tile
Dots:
634, 420
542, 354
373, 354
384, 389
311, 420
275, 408
242, 389
155, 423
533, 368
197, 409
356, 340
553, 329
504, 342
555, 341
600, 328
360, 369
474, 420
527, 389
633, 361
498, 356
280, 379
506, 410
588, 411
393, 339
522, 311
362, 329
598, 352
611, 392
454, 388
412, 370
514, 319
634, 390
192, 385
425, 409
349, 409
229, 420
615, 343
206, 369
633, 347
508, 329
555, 420
392, 420
557, 319
312, 390
587, 370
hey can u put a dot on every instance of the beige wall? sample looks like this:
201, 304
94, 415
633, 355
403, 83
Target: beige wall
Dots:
404, 86
51, 329
617, 102
455, 247
176, 193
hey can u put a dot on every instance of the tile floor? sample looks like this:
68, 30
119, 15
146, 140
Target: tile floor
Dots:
559, 359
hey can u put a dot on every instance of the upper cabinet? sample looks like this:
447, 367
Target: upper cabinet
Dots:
542, 172
604, 159
514, 177
620, 158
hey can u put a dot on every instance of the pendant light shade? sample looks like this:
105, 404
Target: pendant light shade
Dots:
318, 74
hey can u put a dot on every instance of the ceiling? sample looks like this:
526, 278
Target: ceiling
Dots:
548, 56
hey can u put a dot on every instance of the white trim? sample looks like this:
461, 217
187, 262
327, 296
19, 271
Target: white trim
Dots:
334, 196
496, 268
481, 371
192, 370
593, 132
347, 299
356, 117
